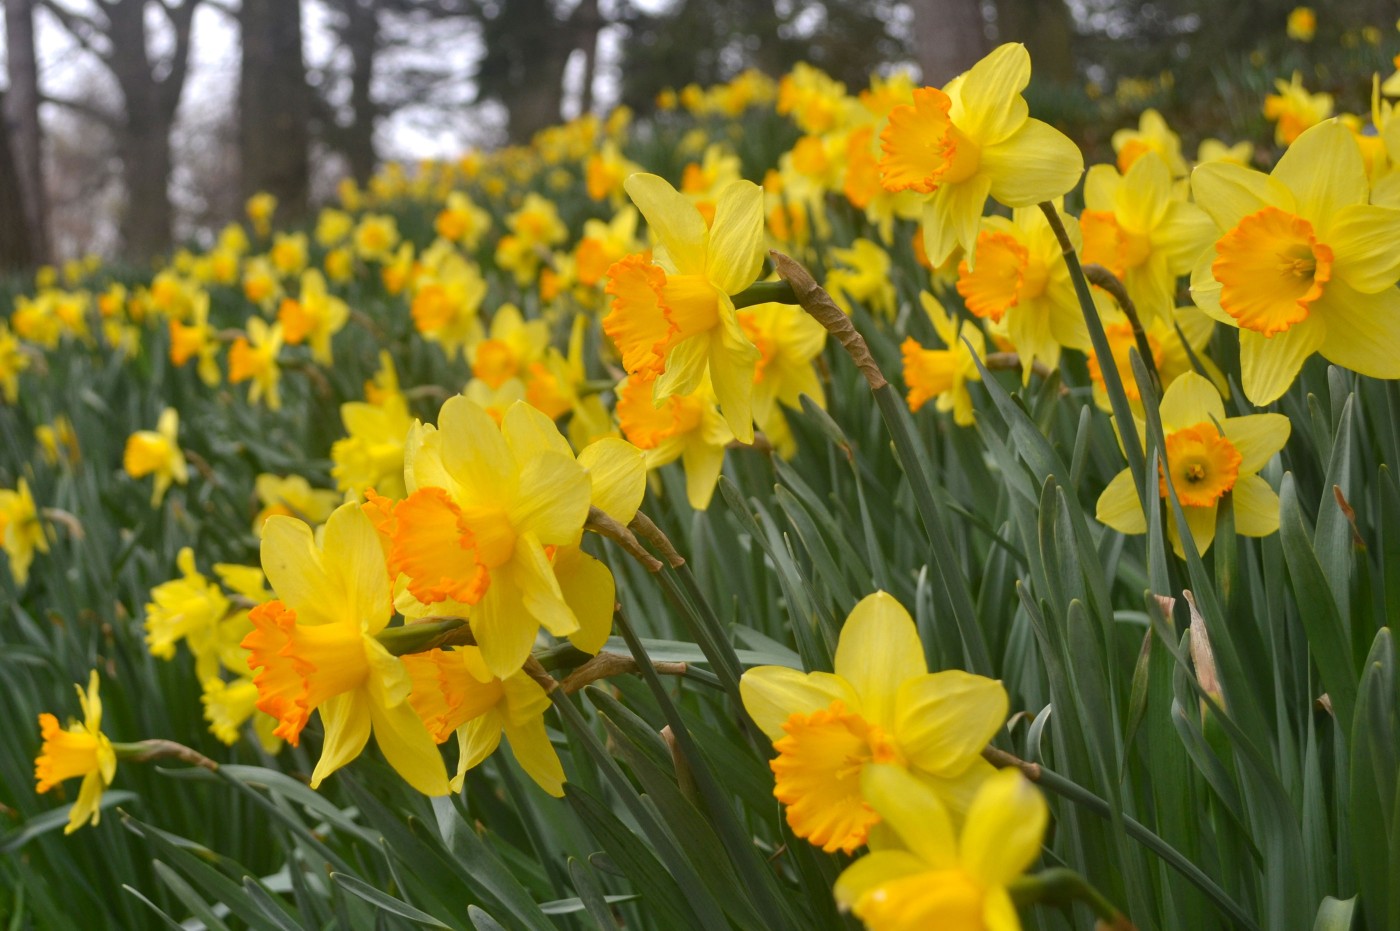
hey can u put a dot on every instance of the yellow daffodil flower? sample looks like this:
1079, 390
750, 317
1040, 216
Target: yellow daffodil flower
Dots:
81, 750
687, 427
788, 340
288, 253
1152, 135
314, 317
1168, 340
1303, 263
512, 346
972, 139
229, 705
1021, 284
157, 452
461, 221
196, 338
13, 361
881, 705
674, 317
292, 496
333, 227
862, 273
1302, 24
455, 692
314, 649
372, 454
1294, 110
21, 530
605, 244
535, 225
446, 302
189, 608
375, 237
940, 877
1208, 455
260, 208
1134, 225
1213, 150
943, 374
253, 357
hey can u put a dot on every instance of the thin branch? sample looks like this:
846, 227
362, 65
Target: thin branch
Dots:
82, 28
82, 108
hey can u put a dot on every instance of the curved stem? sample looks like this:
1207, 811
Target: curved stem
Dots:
1063, 887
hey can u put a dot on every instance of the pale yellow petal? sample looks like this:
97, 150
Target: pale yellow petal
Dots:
1269, 364
588, 587
529, 742
1190, 400
1324, 170
685, 367
952, 217
617, 473
914, 811
874, 870
552, 499
294, 569
1256, 438
355, 556
1228, 193
736, 238
1004, 828
346, 720
502, 628
1036, 163
1119, 506
529, 432
539, 589
409, 748
1363, 239
703, 464
1256, 507
476, 740
1363, 330
474, 452
944, 720
772, 694
878, 651
673, 220
987, 105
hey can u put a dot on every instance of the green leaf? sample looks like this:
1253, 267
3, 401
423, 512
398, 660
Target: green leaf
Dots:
385, 902
1335, 914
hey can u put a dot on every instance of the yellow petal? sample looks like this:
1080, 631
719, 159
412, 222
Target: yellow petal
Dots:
529, 742
476, 740
294, 570
354, 555
914, 811
1268, 364
1201, 521
1229, 193
552, 499
731, 372
346, 720
685, 368
1363, 330
409, 748
474, 452
502, 628
703, 464
736, 238
1036, 163
987, 105
878, 651
1256, 507
872, 870
1190, 400
589, 589
1004, 828
1119, 506
1256, 438
772, 694
952, 217
530, 432
1324, 170
944, 720
673, 220
87, 808
617, 473
539, 589
1145, 194
1363, 240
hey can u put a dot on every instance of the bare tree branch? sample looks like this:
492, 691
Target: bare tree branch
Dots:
83, 108
83, 29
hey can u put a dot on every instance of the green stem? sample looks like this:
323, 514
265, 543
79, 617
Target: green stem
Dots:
1063, 887
765, 292
425, 636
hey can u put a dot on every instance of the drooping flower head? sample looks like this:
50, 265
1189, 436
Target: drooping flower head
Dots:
157, 452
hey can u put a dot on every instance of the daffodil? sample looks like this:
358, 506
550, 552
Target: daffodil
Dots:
1293, 110
372, 454
972, 139
229, 705
1021, 284
674, 317
604, 244
534, 226
189, 608
260, 208
862, 273
1302, 24
1172, 344
488, 503
941, 877
288, 253
446, 302
375, 237
1135, 226
1152, 135
788, 340
313, 317
881, 705
943, 374
462, 221
253, 357
293, 496
157, 452
1302, 264
21, 530
81, 750
314, 649
196, 339
333, 227
455, 693
512, 345
1208, 455
687, 427
13, 361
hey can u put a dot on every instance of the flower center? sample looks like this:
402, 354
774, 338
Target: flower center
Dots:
818, 775
1271, 268
1204, 465
301, 665
431, 543
1000, 279
495, 362
922, 148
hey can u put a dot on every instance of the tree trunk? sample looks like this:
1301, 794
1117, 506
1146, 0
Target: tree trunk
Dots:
21, 113
1047, 29
949, 38
590, 23
362, 37
16, 253
148, 220
274, 104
